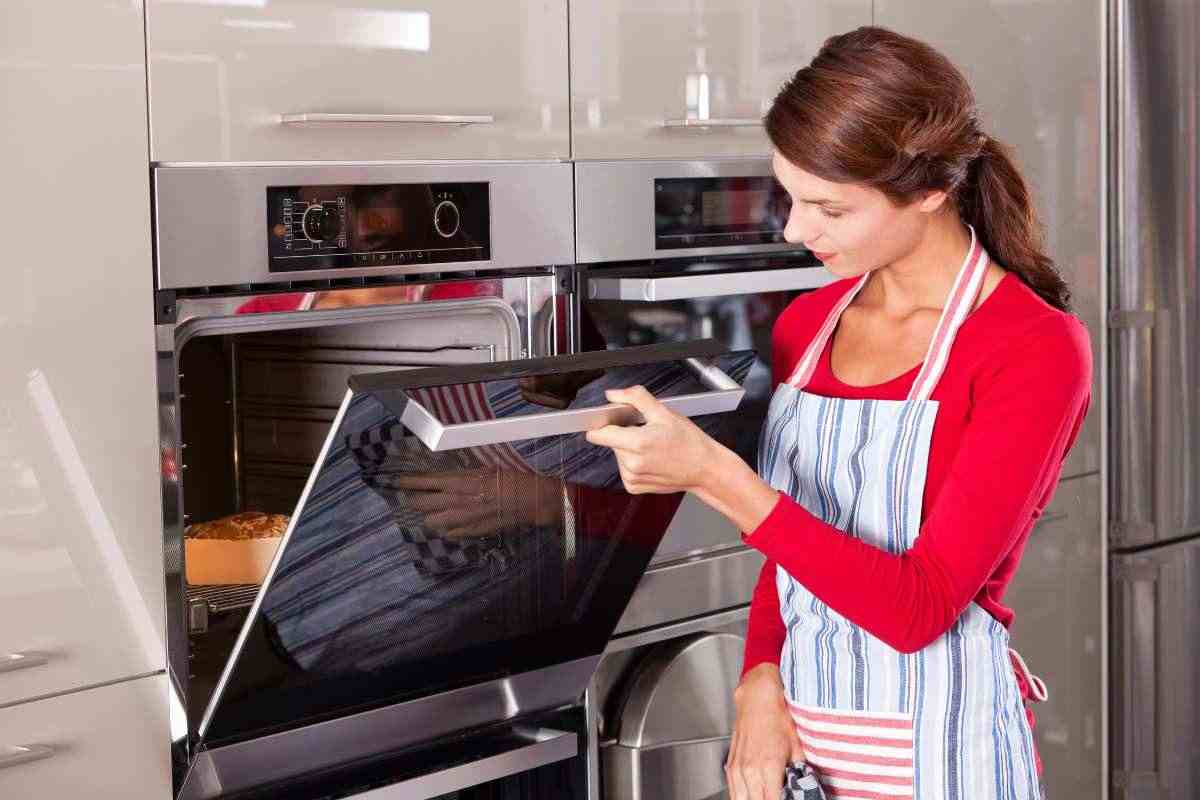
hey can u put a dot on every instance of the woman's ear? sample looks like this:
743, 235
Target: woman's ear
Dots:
932, 201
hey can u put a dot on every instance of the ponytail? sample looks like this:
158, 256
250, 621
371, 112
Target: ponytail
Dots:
995, 201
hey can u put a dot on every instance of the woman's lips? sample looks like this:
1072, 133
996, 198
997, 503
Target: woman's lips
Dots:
825, 257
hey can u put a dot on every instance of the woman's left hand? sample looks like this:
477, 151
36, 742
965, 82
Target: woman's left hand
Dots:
668, 454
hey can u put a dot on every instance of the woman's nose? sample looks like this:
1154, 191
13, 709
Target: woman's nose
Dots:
799, 228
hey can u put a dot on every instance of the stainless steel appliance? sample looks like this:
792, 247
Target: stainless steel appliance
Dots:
671, 251
382, 655
1154, 441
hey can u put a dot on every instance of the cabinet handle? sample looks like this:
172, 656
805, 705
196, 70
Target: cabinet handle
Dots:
12, 662
310, 118
16, 754
715, 122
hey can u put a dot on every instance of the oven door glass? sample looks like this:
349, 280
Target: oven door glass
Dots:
459, 528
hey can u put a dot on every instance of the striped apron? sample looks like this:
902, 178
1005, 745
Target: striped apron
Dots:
947, 722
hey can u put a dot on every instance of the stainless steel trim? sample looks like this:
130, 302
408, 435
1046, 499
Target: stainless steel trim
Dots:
664, 632
231, 664
691, 588
614, 208
1164, 409
255, 762
11, 662
437, 436
545, 746
210, 221
715, 122
691, 287
12, 755
310, 118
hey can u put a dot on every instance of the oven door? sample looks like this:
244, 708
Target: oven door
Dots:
734, 301
460, 556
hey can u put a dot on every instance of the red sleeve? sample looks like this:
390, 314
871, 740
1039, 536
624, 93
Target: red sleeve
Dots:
1026, 412
765, 633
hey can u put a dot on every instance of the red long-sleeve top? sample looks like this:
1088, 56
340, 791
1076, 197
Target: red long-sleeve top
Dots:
1011, 401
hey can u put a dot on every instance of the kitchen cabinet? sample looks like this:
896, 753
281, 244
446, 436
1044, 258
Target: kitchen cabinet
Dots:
109, 743
1056, 596
689, 78
1044, 100
81, 549
341, 80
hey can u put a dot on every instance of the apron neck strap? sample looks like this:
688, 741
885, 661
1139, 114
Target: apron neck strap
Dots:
958, 305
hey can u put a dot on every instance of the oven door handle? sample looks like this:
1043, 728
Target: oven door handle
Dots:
724, 395
312, 118
696, 286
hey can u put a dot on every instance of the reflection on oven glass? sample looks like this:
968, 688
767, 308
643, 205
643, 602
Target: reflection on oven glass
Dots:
410, 571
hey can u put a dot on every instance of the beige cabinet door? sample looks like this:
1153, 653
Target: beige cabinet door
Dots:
81, 547
110, 743
355, 80
1043, 99
689, 78
1058, 626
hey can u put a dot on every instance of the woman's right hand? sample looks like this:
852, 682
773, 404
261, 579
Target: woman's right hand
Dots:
764, 737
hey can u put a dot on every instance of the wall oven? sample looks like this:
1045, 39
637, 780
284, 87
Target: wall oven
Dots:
672, 252
365, 372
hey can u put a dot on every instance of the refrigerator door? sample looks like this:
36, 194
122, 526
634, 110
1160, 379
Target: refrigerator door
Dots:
1155, 316
1156, 674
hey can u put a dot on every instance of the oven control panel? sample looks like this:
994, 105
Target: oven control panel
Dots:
377, 225
718, 212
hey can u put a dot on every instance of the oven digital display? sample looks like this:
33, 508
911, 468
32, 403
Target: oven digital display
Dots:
378, 225
735, 207
718, 212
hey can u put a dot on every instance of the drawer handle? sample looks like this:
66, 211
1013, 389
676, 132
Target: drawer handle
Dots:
13, 755
715, 122
689, 287
15, 661
386, 119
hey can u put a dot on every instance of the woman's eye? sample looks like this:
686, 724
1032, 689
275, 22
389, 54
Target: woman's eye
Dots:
831, 214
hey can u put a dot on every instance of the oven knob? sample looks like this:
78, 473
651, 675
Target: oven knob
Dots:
446, 218
321, 224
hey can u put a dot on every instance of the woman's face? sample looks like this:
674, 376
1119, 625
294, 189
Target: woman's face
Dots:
852, 228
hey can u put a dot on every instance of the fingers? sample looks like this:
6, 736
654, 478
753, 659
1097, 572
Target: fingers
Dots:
650, 407
617, 437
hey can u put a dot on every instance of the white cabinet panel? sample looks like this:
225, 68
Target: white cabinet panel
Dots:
1043, 99
110, 743
1059, 622
81, 554
638, 68
223, 75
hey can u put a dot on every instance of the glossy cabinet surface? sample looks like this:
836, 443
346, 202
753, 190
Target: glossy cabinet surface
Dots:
81, 557
224, 75
1058, 630
1044, 100
689, 78
108, 743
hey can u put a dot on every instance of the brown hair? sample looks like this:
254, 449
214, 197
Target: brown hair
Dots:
883, 110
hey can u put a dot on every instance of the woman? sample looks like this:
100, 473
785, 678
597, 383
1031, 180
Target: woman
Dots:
877, 649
